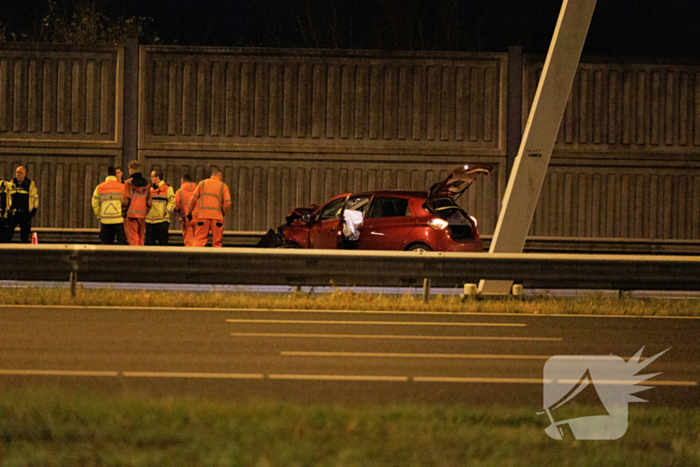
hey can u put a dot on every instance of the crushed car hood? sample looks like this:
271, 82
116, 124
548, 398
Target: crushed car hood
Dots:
297, 213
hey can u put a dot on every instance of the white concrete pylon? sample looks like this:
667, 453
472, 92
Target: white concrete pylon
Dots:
530, 167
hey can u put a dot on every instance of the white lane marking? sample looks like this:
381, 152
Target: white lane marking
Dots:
341, 378
390, 336
444, 379
233, 376
302, 310
291, 353
160, 374
377, 323
58, 373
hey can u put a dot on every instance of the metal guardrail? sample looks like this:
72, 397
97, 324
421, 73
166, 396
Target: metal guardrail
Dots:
532, 244
257, 266
605, 245
92, 237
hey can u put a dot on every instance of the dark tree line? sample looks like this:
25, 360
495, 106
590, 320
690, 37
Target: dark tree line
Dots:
451, 25
72, 22
642, 27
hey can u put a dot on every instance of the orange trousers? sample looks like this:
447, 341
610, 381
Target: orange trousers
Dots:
188, 230
135, 229
204, 226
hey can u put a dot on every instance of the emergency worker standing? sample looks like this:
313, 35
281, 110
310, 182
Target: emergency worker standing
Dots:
158, 218
25, 202
212, 199
107, 204
182, 199
5, 205
136, 202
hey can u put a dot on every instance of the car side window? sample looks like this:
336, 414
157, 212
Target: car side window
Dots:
389, 207
359, 203
331, 210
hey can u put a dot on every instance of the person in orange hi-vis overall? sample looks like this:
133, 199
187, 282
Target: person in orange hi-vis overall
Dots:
136, 202
212, 199
182, 199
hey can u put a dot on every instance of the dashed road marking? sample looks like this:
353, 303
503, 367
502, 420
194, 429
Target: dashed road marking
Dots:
341, 378
374, 323
390, 336
170, 374
291, 353
58, 373
448, 379
319, 377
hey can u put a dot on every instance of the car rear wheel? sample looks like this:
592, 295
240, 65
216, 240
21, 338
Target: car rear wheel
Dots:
419, 247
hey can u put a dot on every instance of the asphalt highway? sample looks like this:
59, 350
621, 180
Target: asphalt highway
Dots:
333, 356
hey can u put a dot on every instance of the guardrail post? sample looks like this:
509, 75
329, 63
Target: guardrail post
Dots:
470, 291
426, 290
73, 273
517, 290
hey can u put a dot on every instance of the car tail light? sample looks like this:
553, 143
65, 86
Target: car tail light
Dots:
438, 224
474, 221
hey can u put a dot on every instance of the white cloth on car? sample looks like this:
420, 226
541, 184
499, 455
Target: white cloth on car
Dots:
352, 224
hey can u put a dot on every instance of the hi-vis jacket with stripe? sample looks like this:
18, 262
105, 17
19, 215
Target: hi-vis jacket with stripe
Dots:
183, 197
136, 200
25, 194
163, 200
107, 201
212, 199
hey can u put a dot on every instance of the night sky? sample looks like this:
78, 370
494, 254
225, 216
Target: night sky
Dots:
644, 28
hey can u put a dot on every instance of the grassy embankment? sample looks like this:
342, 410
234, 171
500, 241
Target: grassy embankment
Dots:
585, 305
49, 427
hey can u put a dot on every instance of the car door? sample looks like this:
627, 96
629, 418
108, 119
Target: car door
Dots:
387, 224
326, 231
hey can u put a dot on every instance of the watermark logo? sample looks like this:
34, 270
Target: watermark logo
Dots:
608, 383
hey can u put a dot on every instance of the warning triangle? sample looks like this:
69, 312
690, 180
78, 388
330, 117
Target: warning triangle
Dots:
111, 209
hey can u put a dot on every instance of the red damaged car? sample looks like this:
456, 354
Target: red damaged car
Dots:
390, 220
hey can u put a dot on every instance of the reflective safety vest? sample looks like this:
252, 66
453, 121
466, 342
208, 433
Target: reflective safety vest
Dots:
212, 199
136, 200
107, 201
5, 199
163, 200
24, 193
183, 197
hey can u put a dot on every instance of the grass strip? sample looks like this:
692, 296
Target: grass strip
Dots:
349, 300
51, 427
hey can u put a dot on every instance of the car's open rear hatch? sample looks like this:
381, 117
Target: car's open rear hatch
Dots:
458, 181
460, 225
